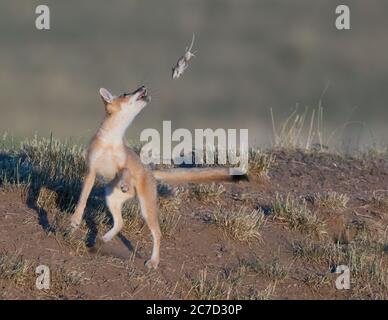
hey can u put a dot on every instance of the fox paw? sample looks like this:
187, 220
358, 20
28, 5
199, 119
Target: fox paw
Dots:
106, 238
74, 223
152, 264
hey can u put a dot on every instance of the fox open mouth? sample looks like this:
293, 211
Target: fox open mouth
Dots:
143, 94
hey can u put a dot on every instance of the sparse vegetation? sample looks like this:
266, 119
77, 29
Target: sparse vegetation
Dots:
318, 252
297, 215
273, 269
169, 214
64, 284
240, 223
331, 200
133, 221
379, 199
22, 190
47, 199
204, 288
72, 242
296, 133
49, 163
265, 294
364, 256
207, 192
169, 222
45, 176
260, 163
316, 280
13, 267
66, 278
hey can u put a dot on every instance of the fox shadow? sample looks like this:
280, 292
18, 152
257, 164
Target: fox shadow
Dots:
66, 192
15, 170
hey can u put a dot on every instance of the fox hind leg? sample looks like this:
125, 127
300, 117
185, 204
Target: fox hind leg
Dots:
147, 194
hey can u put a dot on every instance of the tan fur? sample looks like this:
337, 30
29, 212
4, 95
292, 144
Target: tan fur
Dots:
110, 158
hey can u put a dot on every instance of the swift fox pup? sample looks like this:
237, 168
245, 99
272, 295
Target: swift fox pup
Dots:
109, 157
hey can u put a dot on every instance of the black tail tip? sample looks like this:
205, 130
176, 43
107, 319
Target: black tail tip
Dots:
240, 177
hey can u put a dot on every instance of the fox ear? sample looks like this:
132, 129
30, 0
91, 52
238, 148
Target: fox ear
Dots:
106, 96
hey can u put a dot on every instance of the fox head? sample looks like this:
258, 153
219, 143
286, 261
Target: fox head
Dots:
126, 105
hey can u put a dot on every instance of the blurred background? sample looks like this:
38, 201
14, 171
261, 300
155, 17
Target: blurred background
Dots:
253, 55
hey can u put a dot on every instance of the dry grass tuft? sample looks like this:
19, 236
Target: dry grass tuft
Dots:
46, 163
240, 223
260, 163
317, 280
296, 133
331, 200
133, 222
365, 256
273, 269
169, 222
265, 294
169, 214
379, 199
207, 192
297, 215
22, 190
64, 284
13, 267
47, 199
204, 288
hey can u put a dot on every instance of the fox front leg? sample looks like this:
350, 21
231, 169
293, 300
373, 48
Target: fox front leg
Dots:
86, 188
